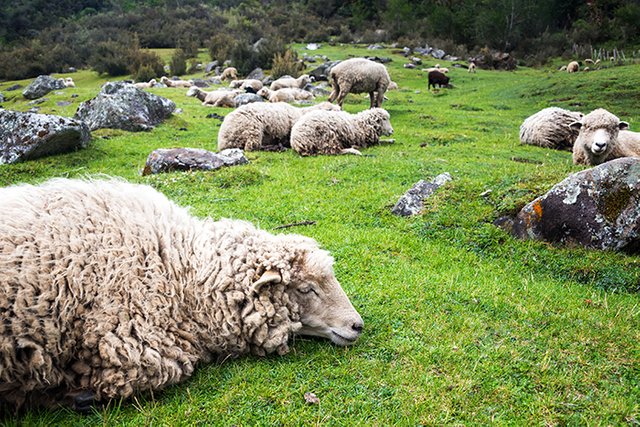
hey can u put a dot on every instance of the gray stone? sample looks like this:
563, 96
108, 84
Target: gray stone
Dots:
200, 83
319, 90
412, 202
123, 106
438, 53
410, 65
256, 74
1, 97
596, 208
183, 159
313, 46
247, 98
322, 71
406, 50
210, 67
416, 60
63, 103
374, 47
41, 86
37, 101
27, 136
14, 87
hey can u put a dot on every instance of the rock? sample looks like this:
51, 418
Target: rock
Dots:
313, 46
416, 60
215, 81
256, 74
63, 103
27, 136
596, 208
181, 159
310, 59
380, 59
411, 203
423, 50
38, 101
319, 90
210, 67
123, 106
410, 65
374, 47
406, 51
247, 98
2, 97
438, 53
41, 86
14, 87
322, 71
200, 83
258, 45
75, 95
494, 60
214, 116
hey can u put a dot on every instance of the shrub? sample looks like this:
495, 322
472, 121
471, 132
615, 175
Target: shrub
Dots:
178, 63
145, 65
111, 57
220, 47
286, 64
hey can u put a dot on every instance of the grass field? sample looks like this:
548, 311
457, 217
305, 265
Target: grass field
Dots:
464, 325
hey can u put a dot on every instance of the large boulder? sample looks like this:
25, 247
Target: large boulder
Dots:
123, 106
256, 74
26, 136
322, 72
41, 86
183, 159
596, 208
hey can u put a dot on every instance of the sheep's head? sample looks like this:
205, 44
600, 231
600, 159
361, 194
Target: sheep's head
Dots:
380, 120
304, 80
236, 84
598, 132
153, 82
193, 91
264, 92
323, 307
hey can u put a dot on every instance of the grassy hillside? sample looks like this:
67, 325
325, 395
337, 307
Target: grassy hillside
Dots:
463, 323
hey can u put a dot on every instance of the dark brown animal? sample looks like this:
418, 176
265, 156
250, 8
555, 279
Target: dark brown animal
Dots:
437, 78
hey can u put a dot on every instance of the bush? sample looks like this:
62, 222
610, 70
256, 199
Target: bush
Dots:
178, 63
286, 64
220, 47
146, 65
112, 58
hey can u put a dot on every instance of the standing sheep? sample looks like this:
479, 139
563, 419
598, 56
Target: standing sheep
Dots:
108, 289
437, 78
262, 126
603, 137
472, 67
229, 73
573, 67
290, 82
338, 132
359, 75
285, 95
550, 128
216, 98
68, 82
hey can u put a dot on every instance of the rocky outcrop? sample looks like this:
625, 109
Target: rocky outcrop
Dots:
27, 136
184, 159
41, 86
122, 106
412, 202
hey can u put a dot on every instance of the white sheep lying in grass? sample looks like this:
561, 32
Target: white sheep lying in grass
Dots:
176, 83
146, 85
116, 290
290, 82
550, 128
252, 84
359, 75
338, 132
216, 98
262, 126
602, 137
229, 73
68, 82
285, 95
573, 67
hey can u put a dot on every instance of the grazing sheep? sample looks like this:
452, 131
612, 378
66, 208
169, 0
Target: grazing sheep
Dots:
263, 126
359, 75
285, 95
176, 83
229, 73
597, 62
563, 68
216, 98
68, 82
588, 61
550, 128
108, 289
290, 82
338, 132
472, 67
392, 86
573, 67
603, 137
436, 68
249, 85
146, 85
437, 78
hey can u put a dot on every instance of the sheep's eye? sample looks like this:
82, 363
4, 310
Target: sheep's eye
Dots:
306, 289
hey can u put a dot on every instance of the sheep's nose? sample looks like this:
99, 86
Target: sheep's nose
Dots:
358, 326
600, 144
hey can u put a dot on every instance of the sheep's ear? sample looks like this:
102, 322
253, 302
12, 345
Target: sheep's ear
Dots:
576, 125
268, 276
623, 125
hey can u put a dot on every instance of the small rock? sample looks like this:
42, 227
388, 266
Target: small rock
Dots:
41, 86
14, 87
409, 65
411, 203
214, 116
63, 103
313, 46
183, 159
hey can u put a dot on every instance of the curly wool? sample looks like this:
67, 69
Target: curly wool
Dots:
111, 287
330, 132
286, 95
262, 125
359, 75
550, 128
290, 82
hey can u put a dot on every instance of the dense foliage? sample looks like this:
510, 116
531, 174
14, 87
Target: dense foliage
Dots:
38, 37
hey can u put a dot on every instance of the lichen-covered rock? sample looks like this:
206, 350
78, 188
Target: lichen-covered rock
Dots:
41, 86
322, 71
27, 136
182, 159
247, 98
412, 202
122, 106
596, 208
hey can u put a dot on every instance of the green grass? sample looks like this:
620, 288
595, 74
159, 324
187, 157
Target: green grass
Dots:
463, 323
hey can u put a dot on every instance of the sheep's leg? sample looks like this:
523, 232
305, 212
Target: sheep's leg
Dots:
334, 93
351, 150
380, 97
372, 99
342, 95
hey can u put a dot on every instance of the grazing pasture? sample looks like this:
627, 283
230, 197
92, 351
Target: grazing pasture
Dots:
463, 323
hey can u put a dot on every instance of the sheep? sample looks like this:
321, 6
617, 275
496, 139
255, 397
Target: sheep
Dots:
176, 83
68, 82
563, 68
588, 61
585, 69
109, 289
437, 78
249, 85
550, 128
229, 73
285, 95
338, 132
437, 68
359, 75
603, 136
146, 85
290, 82
472, 67
216, 98
392, 86
573, 67
262, 126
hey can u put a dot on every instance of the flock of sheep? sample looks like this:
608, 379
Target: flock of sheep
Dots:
123, 291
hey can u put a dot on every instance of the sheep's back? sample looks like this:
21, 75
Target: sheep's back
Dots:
361, 74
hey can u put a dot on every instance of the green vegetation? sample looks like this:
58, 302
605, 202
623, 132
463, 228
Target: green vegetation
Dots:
464, 325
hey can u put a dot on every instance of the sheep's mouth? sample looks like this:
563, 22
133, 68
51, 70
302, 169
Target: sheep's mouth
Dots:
342, 340
597, 150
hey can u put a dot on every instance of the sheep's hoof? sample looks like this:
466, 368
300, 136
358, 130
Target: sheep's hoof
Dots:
351, 151
84, 402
